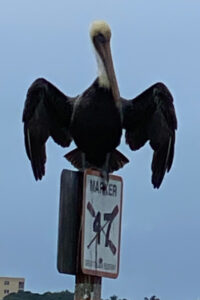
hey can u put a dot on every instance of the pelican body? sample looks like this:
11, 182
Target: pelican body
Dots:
94, 136
95, 119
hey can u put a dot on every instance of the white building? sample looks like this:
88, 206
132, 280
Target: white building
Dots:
10, 285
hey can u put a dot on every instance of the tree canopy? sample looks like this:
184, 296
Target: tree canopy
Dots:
65, 295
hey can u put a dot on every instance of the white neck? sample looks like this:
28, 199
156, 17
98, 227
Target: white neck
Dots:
102, 75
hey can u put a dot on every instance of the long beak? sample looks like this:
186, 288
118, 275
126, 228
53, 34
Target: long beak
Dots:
105, 54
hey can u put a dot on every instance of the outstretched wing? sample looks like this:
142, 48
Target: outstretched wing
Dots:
151, 117
47, 112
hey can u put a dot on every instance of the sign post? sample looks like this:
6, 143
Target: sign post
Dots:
89, 230
87, 287
102, 206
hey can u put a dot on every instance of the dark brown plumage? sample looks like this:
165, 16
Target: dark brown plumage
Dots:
151, 117
95, 119
47, 112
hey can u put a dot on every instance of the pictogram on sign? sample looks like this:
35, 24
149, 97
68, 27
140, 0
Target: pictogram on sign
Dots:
102, 208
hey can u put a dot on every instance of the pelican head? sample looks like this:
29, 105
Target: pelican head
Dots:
100, 28
100, 34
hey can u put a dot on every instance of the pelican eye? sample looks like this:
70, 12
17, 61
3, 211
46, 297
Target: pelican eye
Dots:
101, 37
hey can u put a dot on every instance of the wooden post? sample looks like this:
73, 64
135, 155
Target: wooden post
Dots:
94, 214
87, 287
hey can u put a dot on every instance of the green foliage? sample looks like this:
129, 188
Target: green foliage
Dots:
152, 298
66, 295
114, 297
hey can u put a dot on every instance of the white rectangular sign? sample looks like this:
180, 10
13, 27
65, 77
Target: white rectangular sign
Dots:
102, 207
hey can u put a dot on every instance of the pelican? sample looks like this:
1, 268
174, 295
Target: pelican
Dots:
94, 120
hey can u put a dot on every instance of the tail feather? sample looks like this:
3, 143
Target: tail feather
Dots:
75, 158
117, 160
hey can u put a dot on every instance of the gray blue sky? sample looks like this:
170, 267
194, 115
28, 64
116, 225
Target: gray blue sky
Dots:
152, 41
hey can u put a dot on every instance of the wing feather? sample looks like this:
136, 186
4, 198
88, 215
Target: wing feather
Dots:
151, 117
47, 112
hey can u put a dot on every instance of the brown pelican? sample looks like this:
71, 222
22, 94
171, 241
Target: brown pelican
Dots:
95, 119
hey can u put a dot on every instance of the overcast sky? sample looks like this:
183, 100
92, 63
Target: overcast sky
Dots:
152, 41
